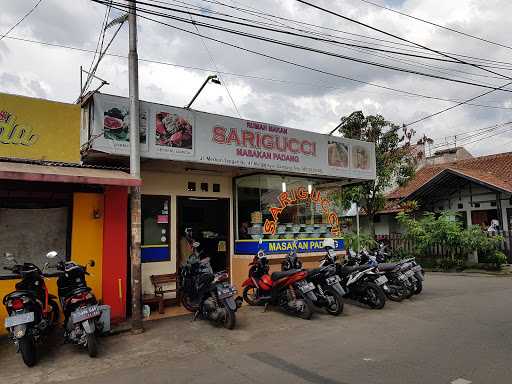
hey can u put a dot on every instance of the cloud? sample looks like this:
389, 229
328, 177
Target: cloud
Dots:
288, 95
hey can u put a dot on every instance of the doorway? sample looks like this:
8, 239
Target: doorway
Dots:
209, 220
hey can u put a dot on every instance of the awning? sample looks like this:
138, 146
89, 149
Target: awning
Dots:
65, 174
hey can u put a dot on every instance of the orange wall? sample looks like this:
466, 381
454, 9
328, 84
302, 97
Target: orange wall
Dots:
87, 236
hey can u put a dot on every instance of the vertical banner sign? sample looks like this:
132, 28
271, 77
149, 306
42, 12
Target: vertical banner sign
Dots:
173, 133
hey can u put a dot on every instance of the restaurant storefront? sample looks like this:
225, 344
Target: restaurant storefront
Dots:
232, 181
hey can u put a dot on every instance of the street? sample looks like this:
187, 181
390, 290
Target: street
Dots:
459, 330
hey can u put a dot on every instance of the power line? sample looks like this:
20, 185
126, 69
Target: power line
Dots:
481, 135
453, 106
452, 60
411, 42
334, 42
160, 62
399, 38
297, 46
223, 81
437, 25
254, 11
21, 20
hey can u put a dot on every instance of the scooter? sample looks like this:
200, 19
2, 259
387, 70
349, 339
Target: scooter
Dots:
287, 289
328, 291
33, 312
362, 283
81, 311
209, 295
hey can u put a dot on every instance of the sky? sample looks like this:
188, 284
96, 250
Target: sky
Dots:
262, 89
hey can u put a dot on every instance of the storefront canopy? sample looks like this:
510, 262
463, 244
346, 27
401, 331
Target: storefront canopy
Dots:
65, 174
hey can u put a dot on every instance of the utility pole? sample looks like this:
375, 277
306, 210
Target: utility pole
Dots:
133, 70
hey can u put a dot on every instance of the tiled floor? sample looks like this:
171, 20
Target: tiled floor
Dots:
169, 312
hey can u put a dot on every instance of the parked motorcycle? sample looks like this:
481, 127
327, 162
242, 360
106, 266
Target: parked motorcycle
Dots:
361, 283
208, 294
414, 274
80, 307
32, 311
328, 290
287, 289
398, 286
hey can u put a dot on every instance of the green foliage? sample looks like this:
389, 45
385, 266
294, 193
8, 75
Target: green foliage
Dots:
446, 231
364, 241
394, 160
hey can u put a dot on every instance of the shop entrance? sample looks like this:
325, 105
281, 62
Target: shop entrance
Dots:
209, 220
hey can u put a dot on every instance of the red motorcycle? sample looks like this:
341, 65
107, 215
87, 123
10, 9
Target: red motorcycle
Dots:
287, 289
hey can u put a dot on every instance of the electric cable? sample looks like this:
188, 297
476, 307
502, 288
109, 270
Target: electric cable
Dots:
301, 47
21, 20
437, 25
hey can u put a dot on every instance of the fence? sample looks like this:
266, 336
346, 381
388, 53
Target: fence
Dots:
398, 243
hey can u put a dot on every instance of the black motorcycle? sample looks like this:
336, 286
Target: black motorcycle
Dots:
398, 285
33, 312
208, 294
361, 283
80, 307
328, 291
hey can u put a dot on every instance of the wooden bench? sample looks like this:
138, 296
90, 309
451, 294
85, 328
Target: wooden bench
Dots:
161, 285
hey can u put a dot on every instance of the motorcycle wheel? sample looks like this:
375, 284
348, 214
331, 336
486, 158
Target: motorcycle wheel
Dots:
419, 287
307, 310
398, 294
55, 313
373, 296
410, 291
186, 301
28, 350
250, 297
337, 306
230, 319
92, 345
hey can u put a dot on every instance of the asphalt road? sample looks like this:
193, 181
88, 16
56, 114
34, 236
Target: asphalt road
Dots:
459, 330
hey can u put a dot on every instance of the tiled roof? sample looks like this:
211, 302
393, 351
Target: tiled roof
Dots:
494, 170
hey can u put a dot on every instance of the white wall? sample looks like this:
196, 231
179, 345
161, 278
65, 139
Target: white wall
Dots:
172, 185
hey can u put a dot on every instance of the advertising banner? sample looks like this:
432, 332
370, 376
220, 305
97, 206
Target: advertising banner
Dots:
39, 129
179, 134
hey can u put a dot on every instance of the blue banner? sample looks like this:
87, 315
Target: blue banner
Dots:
274, 246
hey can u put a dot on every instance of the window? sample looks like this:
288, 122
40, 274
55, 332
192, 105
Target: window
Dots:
204, 187
493, 204
155, 228
216, 187
191, 187
303, 216
460, 205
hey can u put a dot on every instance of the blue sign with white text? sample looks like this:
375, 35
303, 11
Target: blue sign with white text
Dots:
275, 246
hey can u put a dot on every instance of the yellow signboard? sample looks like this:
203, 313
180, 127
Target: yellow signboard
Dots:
39, 129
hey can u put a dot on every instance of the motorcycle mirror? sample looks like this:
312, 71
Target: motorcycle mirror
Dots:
51, 255
91, 263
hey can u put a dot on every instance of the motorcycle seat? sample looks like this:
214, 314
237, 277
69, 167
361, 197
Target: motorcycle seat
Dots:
387, 266
349, 269
280, 274
17, 294
314, 272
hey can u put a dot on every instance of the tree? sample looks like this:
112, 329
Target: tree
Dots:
395, 161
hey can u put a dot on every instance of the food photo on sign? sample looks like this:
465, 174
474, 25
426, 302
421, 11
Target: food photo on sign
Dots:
173, 130
116, 124
337, 154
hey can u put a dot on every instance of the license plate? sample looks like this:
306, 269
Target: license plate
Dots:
417, 268
306, 287
333, 280
225, 292
409, 273
22, 318
381, 280
85, 313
